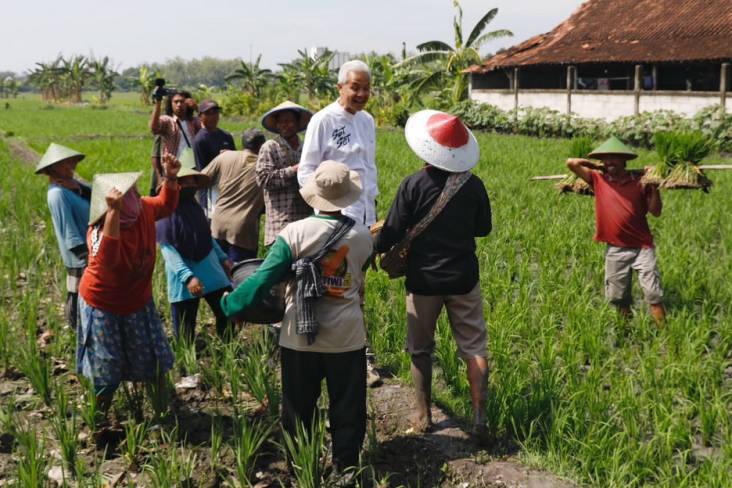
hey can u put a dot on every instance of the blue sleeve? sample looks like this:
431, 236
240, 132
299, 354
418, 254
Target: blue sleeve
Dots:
62, 216
275, 267
220, 254
176, 263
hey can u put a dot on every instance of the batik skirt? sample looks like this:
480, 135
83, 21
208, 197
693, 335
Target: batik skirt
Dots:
113, 348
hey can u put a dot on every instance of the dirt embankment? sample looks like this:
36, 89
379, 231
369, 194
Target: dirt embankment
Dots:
446, 457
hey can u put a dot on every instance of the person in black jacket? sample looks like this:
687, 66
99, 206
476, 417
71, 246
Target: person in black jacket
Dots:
442, 268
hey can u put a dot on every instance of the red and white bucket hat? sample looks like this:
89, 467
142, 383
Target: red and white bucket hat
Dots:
442, 140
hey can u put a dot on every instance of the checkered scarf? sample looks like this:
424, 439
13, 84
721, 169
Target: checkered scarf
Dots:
309, 281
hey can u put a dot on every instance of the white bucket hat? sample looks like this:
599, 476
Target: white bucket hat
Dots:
100, 187
332, 187
442, 140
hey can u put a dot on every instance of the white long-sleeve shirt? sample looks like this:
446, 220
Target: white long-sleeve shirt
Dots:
338, 135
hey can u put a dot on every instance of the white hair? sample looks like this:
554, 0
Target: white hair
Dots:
354, 65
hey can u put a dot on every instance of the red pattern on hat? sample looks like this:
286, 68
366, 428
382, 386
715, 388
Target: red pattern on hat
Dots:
447, 130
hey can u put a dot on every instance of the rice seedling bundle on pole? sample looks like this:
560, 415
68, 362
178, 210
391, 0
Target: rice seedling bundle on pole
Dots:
680, 154
580, 148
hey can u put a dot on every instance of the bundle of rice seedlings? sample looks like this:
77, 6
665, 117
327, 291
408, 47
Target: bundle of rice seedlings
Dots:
687, 177
580, 148
680, 154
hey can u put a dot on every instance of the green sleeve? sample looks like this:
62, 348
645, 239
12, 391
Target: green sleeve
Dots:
274, 268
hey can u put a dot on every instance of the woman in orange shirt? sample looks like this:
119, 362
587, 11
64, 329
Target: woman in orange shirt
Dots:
121, 336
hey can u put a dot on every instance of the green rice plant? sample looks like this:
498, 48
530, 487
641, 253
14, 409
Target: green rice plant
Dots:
186, 357
306, 452
453, 368
217, 439
249, 437
6, 343
66, 430
232, 371
214, 374
7, 416
37, 368
31, 457
135, 435
132, 400
89, 412
159, 394
259, 373
171, 464
91, 478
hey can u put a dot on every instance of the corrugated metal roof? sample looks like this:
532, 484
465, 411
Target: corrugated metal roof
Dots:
603, 31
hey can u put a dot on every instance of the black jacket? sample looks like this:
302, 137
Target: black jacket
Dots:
442, 259
208, 144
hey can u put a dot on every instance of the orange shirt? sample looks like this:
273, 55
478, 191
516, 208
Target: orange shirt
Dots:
620, 212
118, 278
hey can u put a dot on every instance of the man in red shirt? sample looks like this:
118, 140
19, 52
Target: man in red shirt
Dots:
621, 205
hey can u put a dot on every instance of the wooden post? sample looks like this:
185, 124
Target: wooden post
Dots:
569, 89
637, 87
655, 77
515, 91
723, 86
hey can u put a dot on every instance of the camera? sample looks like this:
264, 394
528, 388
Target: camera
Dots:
160, 91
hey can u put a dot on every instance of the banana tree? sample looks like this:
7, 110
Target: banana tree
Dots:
145, 83
103, 76
445, 63
9, 87
75, 74
47, 77
288, 85
253, 77
315, 75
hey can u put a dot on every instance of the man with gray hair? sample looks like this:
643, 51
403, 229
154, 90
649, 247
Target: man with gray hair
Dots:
344, 132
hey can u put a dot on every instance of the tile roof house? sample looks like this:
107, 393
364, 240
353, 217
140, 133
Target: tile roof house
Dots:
617, 57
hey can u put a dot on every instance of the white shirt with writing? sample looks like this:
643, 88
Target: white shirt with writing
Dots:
338, 135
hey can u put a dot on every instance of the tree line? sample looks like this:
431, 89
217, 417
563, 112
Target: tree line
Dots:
433, 74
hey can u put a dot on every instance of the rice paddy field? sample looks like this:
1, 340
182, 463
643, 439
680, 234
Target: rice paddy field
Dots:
573, 389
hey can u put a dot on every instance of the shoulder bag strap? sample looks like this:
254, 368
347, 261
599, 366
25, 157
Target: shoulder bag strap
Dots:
180, 126
454, 182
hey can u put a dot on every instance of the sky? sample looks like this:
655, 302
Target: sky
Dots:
132, 32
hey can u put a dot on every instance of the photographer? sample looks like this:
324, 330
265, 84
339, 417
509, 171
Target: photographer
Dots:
176, 129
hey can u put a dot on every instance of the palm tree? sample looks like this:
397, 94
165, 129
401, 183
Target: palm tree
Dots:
253, 77
448, 61
103, 75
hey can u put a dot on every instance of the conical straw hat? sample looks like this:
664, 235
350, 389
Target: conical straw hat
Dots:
612, 147
442, 140
100, 187
269, 121
55, 154
188, 168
